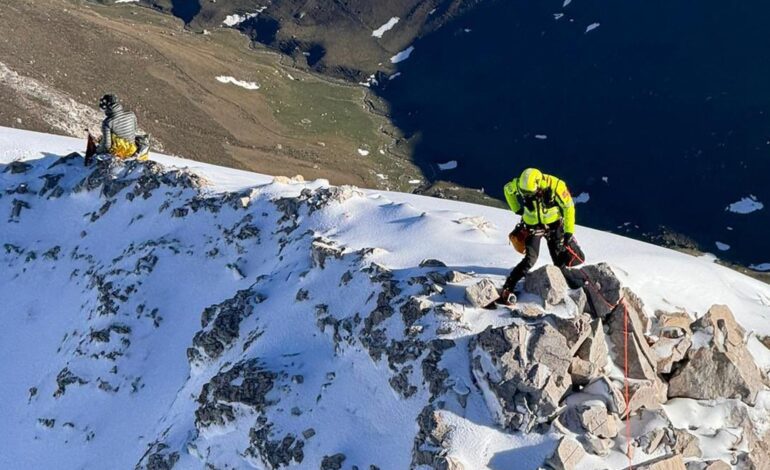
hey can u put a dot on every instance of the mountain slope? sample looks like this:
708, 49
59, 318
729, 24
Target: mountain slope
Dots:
180, 314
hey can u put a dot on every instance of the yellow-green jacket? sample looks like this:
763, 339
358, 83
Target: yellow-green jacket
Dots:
554, 203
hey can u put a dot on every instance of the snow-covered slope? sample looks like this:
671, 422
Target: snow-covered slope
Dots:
187, 314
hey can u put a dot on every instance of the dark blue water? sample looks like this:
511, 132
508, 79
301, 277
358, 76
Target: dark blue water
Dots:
185, 9
670, 100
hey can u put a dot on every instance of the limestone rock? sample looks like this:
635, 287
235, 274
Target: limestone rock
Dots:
524, 369
671, 462
567, 455
601, 286
595, 419
482, 293
670, 351
548, 282
642, 361
723, 367
646, 394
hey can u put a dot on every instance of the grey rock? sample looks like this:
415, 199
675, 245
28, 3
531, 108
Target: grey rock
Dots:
724, 368
322, 250
642, 361
669, 462
567, 455
549, 283
525, 369
602, 287
432, 263
481, 293
333, 462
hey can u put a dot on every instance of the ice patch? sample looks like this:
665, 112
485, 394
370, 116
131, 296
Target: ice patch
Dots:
126, 1
450, 165
606, 179
722, 246
746, 205
394, 76
582, 198
240, 83
541, 136
566, 2
402, 56
592, 27
386, 27
760, 267
558, 16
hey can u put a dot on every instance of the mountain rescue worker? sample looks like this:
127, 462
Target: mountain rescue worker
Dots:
547, 211
119, 132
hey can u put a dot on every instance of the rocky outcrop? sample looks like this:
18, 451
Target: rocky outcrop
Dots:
719, 364
523, 369
567, 455
672, 462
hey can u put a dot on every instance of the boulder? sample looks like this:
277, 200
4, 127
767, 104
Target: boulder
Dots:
642, 361
670, 462
547, 282
592, 356
601, 286
596, 445
683, 443
595, 419
646, 394
523, 371
575, 330
719, 365
672, 324
481, 293
567, 455
670, 351
609, 392
580, 299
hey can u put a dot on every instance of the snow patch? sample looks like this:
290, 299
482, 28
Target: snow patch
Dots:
760, 267
541, 137
386, 27
402, 56
722, 246
592, 27
746, 205
240, 83
235, 19
450, 165
363, 152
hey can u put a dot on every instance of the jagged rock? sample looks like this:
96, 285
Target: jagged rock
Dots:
159, 458
595, 419
277, 453
595, 445
247, 383
64, 379
414, 309
580, 299
18, 205
709, 465
642, 361
671, 462
651, 442
670, 351
523, 368
591, 357
18, 166
672, 324
482, 293
321, 250
221, 325
575, 330
567, 455
722, 367
683, 443
451, 311
431, 439
548, 282
646, 394
333, 462
602, 287
323, 197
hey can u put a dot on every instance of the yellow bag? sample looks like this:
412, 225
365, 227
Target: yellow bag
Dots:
122, 148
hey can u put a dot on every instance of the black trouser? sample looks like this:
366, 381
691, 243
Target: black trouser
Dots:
554, 236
